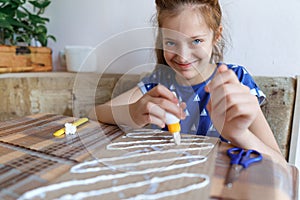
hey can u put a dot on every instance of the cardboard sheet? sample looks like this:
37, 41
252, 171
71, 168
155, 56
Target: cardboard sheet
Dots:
141, 165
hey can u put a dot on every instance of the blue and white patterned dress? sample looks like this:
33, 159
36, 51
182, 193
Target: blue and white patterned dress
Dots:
198, 120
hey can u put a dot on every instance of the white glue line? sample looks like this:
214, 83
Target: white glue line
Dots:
153, 144
150, 143
76, 168
88, 167
151, 135
59, 186
147, 130
155, 180
176, 191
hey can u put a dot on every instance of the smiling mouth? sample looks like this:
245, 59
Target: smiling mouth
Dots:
186, 65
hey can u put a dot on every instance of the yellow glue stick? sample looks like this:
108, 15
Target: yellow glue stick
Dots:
80, 121
76, 123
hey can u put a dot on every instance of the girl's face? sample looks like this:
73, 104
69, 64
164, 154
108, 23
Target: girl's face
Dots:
187, 44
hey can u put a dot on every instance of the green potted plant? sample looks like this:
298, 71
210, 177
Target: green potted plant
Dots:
22, 21
23, 26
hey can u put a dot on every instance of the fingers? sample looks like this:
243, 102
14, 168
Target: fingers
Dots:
236, 105
163, 92
228, 95
144, 112
222, 76
226, 91
154, 114
162, 96
246, 110
152, 107
231, 106
183, 107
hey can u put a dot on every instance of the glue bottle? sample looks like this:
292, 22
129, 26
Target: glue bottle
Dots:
174, 127
173, 124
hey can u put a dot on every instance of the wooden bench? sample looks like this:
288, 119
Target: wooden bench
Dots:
279, 107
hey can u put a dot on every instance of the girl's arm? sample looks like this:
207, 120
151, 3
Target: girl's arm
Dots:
116, 111
134, 109
262, 130
259, 136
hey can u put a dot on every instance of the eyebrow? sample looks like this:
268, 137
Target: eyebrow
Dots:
193, 37
167, 38
197, 36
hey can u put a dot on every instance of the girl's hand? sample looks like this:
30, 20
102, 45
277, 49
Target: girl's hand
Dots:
152, 107
232, 108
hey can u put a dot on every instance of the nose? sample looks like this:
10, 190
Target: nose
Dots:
183, 53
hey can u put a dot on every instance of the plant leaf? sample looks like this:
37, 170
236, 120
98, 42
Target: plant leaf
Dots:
51, 37
4, 24
40, 4
20, 14
20, 23
35, 19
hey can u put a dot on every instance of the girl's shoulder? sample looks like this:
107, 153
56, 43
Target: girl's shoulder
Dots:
246, 79
239, 70
161, 73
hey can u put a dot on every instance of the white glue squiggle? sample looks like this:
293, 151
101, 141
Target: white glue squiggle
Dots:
151, 135
155, 180
139, 144
142, 154
177, 191
147, 135
37, 192
82, 168
154, 148
147, 130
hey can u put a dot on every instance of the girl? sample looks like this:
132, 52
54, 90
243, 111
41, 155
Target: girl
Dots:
189, 48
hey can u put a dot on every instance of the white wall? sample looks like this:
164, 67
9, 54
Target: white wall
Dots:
265, 35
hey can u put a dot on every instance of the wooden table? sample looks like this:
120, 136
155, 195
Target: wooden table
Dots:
30, 158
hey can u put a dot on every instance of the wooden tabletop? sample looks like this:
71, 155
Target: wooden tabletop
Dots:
102, 161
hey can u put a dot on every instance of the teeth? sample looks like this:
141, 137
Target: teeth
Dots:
177, 138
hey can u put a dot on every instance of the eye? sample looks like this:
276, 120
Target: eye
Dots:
196, 41
170, 43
